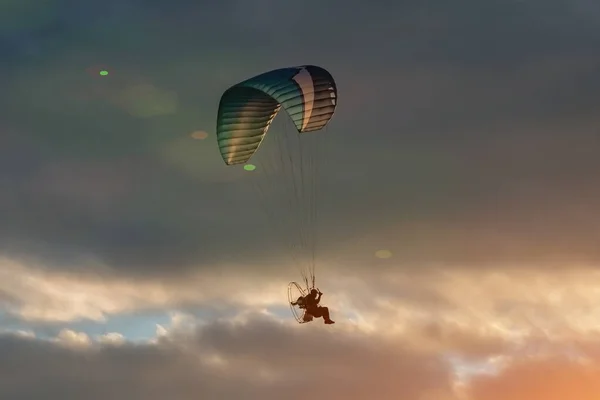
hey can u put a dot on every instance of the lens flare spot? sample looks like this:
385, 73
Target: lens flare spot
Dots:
199, 135
383, 254
98, 71
249, 167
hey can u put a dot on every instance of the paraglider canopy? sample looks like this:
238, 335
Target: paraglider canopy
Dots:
308, 94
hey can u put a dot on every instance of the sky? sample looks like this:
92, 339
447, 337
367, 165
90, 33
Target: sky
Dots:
459, 225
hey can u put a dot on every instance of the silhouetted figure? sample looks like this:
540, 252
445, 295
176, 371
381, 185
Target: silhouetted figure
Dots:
310, 303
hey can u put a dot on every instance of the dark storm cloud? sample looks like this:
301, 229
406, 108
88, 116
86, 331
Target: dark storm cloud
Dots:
259, 359
449, 117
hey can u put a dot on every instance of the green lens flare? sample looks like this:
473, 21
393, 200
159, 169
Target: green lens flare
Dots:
249, 167
103, 72
383, 254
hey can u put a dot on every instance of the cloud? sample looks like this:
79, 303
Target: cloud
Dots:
42, 294
432, 309
256, 358
403, 323
71, 338
113, 338
553, 379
